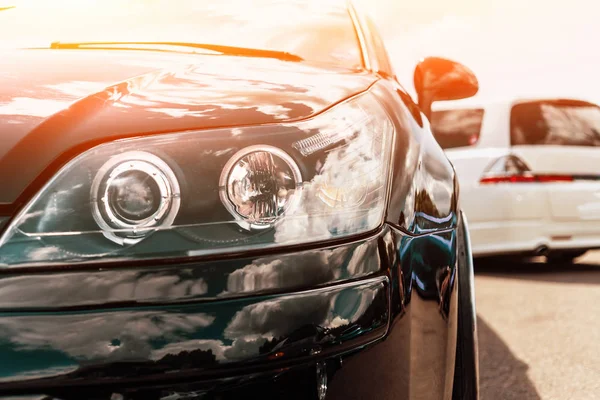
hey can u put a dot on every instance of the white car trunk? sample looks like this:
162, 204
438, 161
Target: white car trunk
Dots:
576, 200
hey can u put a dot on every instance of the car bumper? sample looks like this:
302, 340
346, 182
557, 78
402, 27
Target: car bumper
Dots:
374, 318
530, 236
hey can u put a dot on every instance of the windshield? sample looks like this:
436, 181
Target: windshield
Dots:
316, 31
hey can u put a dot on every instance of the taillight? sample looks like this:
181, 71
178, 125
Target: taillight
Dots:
528, 178
506, 179
555, 178
511, 169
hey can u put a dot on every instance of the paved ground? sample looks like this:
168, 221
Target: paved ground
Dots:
539, 329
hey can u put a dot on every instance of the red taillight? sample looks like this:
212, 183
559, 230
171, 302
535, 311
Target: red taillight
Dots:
528, 178
507, 179
512, 169
555, 178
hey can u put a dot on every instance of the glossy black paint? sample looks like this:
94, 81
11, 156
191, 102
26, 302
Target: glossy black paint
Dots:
192, 282
82, 106
378, 314
395, 317
216, 339
424, 189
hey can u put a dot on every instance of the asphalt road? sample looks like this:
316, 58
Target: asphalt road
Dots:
539, 329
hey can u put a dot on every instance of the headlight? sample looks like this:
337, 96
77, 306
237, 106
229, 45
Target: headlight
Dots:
132, 194
258, 185
213, 191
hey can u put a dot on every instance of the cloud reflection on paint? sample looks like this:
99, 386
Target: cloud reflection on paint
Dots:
92, 336
82, 288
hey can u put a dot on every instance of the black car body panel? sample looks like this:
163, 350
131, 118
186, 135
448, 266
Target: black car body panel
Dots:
424, 195
90, 334
81, 106
368, 316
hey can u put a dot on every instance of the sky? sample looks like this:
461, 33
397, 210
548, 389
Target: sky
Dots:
517, 48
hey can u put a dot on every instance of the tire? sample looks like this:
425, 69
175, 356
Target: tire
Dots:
466, 365
566, 257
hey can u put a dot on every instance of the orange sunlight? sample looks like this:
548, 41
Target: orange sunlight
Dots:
515, 49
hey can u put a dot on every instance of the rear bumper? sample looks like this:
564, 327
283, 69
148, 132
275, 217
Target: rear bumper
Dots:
268, 327
530, 236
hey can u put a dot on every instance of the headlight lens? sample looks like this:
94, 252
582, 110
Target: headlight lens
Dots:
258, 185
132, 194
217, 191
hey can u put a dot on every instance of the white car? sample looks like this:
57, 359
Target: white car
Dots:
529, 174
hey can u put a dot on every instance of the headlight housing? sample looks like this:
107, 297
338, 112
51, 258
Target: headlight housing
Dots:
213, 191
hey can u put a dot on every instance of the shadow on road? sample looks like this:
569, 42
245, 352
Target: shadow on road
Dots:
538, 270
502, 375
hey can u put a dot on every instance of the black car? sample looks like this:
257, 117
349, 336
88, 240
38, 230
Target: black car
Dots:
224, 200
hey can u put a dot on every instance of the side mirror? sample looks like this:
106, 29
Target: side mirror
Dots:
439, 79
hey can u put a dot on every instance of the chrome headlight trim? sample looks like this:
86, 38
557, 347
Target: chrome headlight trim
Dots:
119, 229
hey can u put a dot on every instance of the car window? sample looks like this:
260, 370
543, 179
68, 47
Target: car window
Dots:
320, 31
457, 128
567, 123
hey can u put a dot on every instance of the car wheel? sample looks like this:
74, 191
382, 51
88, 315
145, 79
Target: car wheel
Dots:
566, 257
466, 367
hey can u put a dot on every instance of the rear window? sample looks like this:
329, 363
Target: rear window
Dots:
560, 122
457, 128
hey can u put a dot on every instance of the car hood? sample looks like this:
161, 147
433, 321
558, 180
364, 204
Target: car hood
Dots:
55, 103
